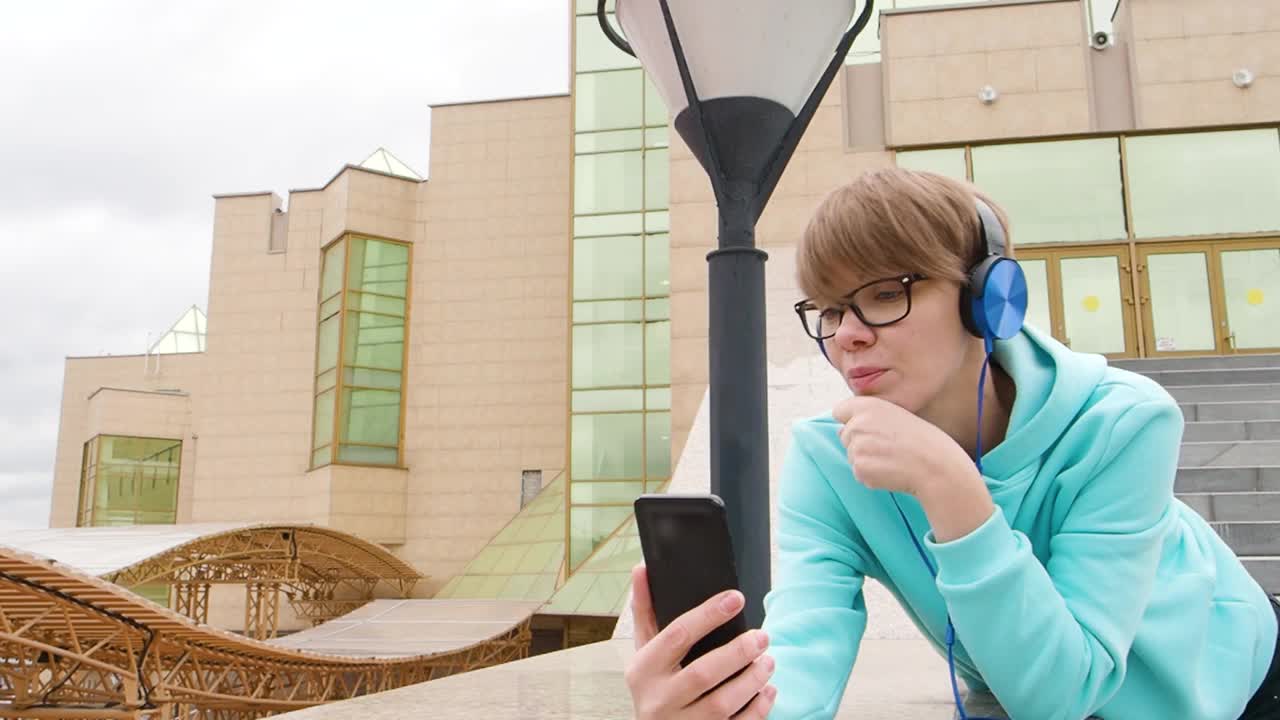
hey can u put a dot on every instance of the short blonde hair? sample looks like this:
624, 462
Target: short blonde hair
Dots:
888, 222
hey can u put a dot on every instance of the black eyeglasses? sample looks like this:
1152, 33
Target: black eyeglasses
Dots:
878, 303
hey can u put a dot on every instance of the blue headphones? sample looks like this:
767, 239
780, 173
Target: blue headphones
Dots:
993, 305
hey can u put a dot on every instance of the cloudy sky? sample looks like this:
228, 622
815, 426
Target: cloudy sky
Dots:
119, 120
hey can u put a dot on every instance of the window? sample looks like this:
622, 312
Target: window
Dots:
1055, 191
360, 350
129, 481
944, 161
1204, 183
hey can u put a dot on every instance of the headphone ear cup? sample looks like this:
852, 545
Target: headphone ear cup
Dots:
998, 304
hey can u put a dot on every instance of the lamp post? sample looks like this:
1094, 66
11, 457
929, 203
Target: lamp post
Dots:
741, 79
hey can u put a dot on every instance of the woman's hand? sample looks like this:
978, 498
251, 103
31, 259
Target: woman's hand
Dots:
893, 449
661, 689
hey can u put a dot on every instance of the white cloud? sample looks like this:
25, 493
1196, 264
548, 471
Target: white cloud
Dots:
121, 120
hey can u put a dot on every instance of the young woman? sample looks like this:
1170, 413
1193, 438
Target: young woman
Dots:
1019, 506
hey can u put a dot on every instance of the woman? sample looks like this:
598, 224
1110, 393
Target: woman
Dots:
1068, 579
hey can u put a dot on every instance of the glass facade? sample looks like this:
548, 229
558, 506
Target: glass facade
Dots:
620, 425
129, 481
360, 352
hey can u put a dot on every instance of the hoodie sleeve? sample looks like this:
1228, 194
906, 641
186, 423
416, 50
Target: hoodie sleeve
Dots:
1059, 647
815, 615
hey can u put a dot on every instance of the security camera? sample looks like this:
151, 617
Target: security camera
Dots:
1101, 40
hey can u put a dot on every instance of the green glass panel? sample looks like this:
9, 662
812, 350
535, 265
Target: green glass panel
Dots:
1093, 313
607, 447
375, 303
656, 486
607, 355
595, 51
543, 587
509, 559
371, 416
657, 265
365, 378
657, 398
656, 138
491, 587
517, 587
323, 433
608, 100
450, 589
655, 111
379, 267
605, 493
944, 161
134, 482
657, 179
331, 275
605, 595
374, 341
658, 439
608, 311
607, 267
330, 306
468, 587
486, 560
612, 141
535, 561
326, 380
657, 353
608, 183
1182, 315
657, 222
1205, 183
624, 224
1081, 177
607, 400
657, 309
327, 344
323, 456
364, 455
1251, 284
590, 526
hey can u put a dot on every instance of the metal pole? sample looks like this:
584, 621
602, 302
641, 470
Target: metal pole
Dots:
739, 416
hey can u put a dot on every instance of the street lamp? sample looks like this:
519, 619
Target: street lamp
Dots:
741, 79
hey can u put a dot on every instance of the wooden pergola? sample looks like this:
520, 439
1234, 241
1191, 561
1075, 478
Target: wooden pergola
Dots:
75, 643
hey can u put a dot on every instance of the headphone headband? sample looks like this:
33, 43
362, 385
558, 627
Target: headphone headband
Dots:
991, 229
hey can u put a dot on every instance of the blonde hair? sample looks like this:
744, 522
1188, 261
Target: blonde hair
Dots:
892, 221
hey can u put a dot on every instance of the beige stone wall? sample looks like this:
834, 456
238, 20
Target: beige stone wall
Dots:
820, 164
1183, 55
82, 378
489, 356
935, 61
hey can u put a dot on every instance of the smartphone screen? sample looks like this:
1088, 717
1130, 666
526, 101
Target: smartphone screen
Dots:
688, 554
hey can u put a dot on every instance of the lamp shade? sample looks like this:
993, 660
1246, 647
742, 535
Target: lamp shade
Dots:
753, 64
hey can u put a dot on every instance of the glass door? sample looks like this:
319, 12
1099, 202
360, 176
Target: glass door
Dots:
1250, 295
1211, 298
1083, 297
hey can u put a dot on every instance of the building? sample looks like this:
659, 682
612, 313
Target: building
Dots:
412, 360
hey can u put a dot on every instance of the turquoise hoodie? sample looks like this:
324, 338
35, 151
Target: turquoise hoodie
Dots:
1090, 589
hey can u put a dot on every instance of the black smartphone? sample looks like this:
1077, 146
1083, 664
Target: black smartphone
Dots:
688, 554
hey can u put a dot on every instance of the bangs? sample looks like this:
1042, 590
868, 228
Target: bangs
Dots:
885, 223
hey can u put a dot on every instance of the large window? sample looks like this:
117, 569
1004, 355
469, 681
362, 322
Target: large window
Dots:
620, 429
129, 481
360, 351
1056, 191
1205, 183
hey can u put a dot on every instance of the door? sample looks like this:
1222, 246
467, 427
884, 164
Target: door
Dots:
1211, 298
1083, 296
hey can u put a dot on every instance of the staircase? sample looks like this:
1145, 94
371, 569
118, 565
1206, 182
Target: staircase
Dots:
1229, 466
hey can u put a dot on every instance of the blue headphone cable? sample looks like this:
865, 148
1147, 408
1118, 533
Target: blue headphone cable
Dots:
951, 630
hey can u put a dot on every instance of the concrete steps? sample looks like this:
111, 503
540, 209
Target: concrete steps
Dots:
1229, 462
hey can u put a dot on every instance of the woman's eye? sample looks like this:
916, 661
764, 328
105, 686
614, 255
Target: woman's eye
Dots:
888, 296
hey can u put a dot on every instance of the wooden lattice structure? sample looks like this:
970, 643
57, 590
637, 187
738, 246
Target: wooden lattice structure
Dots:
73, 645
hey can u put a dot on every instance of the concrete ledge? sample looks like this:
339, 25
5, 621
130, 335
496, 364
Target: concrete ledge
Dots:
892, 680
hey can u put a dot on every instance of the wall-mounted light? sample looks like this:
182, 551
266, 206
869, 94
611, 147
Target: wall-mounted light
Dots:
988, 95
1242, 78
